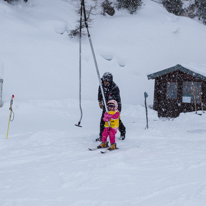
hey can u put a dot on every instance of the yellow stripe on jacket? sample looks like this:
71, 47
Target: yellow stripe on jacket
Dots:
114, 123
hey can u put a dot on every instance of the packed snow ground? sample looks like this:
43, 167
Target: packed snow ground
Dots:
45, 161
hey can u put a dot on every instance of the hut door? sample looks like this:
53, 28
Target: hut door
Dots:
168, 106
171, 100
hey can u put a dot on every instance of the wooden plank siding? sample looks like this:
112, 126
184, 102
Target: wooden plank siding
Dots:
172, 107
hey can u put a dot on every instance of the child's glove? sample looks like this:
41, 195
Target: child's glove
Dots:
107, 117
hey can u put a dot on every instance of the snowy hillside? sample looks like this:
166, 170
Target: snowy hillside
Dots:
45, 161
46, 62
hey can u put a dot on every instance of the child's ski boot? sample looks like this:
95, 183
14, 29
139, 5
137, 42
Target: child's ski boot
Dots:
112, 147
103, 145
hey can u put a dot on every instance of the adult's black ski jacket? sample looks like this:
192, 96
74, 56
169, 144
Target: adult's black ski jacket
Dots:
111, 92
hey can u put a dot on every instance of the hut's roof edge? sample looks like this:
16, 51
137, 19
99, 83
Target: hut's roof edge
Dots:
178, 67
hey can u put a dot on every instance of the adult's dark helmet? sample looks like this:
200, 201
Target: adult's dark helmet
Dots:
107, 77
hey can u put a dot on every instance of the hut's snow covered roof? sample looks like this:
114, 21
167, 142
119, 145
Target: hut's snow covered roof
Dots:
195, 71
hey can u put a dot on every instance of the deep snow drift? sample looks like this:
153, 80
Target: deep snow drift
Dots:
45, 161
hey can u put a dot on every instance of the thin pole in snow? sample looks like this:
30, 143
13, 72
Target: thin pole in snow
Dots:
93, 54
95, 61
11, 111
80, 67
201, 100
145, 96
195, 99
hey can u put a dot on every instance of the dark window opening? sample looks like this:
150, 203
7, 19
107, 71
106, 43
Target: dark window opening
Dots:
171, 90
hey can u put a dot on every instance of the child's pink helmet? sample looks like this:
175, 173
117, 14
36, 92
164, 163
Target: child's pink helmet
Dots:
112, 103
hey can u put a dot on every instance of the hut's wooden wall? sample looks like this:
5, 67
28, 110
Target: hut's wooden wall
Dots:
172, 107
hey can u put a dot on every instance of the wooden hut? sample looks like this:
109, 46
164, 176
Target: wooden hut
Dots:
178, 89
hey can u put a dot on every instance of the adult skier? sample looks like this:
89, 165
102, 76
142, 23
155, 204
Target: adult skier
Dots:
111, 92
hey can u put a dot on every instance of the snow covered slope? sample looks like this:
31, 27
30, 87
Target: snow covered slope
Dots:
41, 63
45, 161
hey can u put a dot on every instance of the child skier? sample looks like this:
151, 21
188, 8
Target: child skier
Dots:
110, 128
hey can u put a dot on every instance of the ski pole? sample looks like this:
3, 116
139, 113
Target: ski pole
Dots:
146, 95
10, 108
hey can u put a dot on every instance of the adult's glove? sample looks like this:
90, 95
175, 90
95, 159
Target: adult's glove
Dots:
101, 105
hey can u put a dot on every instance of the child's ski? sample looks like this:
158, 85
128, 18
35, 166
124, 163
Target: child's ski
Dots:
105, 151
93, 149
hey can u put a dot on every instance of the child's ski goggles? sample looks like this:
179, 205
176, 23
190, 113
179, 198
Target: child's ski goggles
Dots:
111, 106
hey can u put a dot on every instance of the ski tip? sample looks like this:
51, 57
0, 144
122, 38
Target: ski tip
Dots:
92, 149
103, 152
